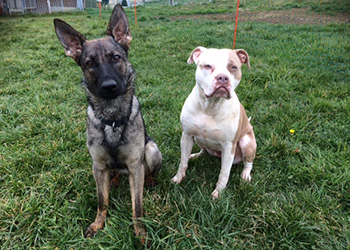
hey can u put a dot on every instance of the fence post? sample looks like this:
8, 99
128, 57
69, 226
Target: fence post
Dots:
49, 6
24, 6
80, 5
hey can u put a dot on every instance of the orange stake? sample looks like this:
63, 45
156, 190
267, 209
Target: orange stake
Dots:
135, 13
234, 38
100, 5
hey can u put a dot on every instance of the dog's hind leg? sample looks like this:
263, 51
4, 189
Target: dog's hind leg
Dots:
248, 148
245, 175
153, 160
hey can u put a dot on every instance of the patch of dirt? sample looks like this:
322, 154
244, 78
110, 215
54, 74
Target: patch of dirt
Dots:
291, 16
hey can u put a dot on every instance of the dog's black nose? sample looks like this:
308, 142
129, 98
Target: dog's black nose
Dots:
222, 79
109, 85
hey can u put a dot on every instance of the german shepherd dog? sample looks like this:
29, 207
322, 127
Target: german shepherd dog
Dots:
116, 134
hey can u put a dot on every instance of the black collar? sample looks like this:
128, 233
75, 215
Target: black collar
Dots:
116, 123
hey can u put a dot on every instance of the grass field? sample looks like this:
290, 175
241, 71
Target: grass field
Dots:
299, 197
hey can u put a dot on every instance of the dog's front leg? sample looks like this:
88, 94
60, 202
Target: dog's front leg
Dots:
227, 157
136, 181
186, 148
102, 178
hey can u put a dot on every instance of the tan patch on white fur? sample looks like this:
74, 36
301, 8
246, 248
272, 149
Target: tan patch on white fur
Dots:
243, 125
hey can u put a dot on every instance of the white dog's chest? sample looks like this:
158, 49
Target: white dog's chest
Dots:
208, 132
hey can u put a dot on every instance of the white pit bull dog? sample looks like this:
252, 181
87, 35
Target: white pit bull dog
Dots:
213, 117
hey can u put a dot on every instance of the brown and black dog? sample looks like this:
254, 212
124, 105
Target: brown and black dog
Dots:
116, 134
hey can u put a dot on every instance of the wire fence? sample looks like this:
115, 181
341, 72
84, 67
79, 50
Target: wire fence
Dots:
9, 7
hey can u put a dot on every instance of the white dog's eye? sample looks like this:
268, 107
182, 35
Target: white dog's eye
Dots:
207, 66
234, 68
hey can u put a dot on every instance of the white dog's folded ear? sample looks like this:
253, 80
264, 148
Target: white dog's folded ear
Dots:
195, 55
243, 56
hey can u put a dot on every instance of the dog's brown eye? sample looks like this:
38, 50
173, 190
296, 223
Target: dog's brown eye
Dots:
90, 64
115, 58
234, 68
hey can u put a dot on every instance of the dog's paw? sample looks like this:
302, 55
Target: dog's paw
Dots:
92, 230
196, 155
246, 176
178, 178
115, 181
215, 194
142, 234
150, 182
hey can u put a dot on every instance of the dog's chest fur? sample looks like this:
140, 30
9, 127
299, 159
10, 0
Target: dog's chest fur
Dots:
106, 136
100, 134
214, 126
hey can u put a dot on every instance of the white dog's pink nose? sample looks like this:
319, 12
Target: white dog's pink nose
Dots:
222, 79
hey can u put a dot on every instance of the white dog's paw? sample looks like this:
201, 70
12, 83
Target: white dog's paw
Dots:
215, 194
246, 176
178, 178
196, 155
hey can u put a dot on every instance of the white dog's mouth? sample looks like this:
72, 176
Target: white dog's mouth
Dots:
220, 92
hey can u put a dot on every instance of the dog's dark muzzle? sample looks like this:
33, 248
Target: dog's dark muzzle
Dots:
110, 89
109, 86
109, 83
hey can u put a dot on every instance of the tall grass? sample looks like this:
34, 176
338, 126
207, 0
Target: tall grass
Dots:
300, 194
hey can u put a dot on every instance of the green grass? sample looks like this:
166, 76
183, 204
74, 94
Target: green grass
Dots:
300, 194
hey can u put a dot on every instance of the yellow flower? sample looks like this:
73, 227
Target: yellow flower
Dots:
292, 131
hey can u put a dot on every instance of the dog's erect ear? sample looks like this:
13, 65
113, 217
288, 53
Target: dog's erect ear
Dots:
195, 55
118, 27
71, 39
243, 56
